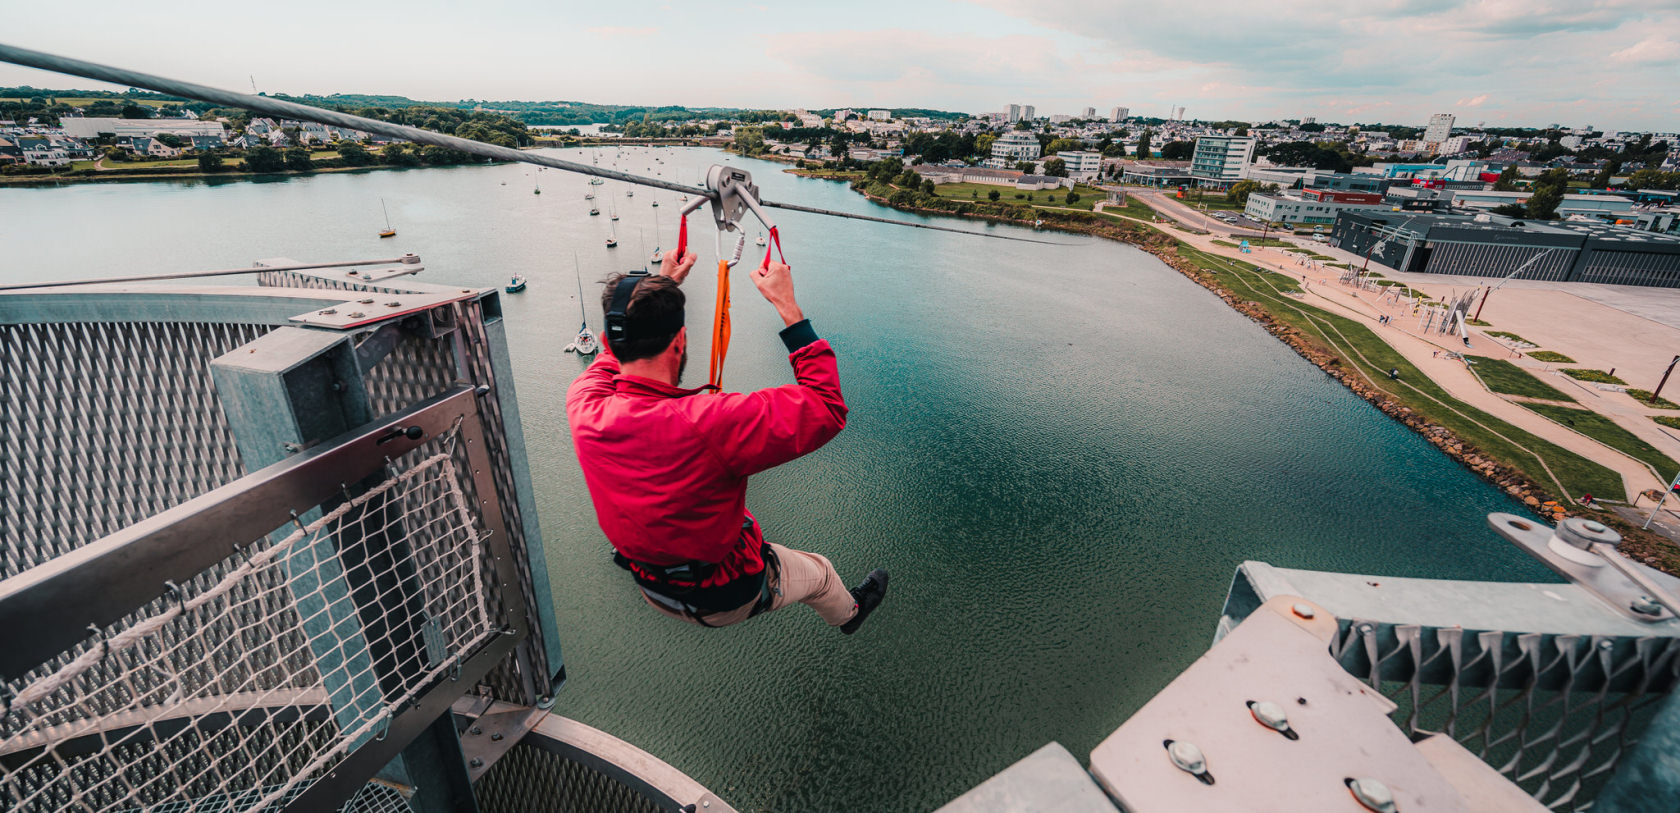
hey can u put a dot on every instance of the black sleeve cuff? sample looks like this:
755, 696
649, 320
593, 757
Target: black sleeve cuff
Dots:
798, 334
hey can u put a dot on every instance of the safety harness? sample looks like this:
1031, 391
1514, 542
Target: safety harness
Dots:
678, 587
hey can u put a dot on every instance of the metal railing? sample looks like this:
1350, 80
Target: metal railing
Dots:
276, 640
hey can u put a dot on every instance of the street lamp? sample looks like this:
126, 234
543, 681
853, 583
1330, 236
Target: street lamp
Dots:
1509, 277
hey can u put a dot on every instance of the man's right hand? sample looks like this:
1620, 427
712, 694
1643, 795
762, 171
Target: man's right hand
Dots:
775, 282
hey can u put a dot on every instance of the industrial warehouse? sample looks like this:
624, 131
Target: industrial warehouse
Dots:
1494, 246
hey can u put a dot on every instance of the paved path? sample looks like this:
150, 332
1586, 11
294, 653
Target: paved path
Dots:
1165, 203
1453, 376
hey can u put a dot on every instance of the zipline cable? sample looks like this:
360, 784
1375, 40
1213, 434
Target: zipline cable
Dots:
302, 112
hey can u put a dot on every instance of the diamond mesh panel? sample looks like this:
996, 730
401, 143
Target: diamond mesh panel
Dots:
376, 797
103, 425
528, 779
1553, 713
258, 679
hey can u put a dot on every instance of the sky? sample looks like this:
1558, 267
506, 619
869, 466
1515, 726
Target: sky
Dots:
1613, 64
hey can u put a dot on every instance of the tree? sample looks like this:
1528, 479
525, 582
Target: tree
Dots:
1178, 150
1060, 144
1025, 166
1602, 179
1055, 168
297, 159
136, 111
983, 143
1239, 191
209, 162
1548, 193
169, 140
264, 159
395, 155
928, 186
1507, 181
1143, 145
1510, 210
749, 140
1072, 197
354, 154
993, 195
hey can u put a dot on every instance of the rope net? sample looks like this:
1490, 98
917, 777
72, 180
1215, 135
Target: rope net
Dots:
236, 691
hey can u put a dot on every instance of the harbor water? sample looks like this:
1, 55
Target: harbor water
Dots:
1061, 452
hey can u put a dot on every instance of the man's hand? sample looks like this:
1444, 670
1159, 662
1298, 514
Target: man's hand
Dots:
775, 281
677, 268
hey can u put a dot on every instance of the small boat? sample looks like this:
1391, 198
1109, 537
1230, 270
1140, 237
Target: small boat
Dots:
589, 196
593, 211
516, 284
596, 181
657, 256
629, 193
612, 242
388, 232
656, 204
585, 344
759, 241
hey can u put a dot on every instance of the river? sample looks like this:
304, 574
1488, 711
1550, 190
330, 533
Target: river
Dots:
1061, 453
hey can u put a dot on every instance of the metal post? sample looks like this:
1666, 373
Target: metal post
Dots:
1664, 380
1660, 500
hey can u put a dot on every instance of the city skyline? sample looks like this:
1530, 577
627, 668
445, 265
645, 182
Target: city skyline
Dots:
1495, 61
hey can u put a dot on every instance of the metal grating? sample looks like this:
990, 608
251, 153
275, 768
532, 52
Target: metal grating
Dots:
1553, 713
103, 424
377, 797
529, 779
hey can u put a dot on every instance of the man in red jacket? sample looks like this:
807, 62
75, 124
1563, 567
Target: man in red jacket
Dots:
667, 467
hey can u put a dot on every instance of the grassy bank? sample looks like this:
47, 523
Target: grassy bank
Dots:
1504, 377
1609, 433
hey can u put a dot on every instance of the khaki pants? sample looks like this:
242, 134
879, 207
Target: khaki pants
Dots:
805, 578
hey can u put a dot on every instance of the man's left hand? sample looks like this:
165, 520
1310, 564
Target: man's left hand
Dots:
677, 268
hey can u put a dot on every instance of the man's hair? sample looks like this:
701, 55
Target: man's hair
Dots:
654, 301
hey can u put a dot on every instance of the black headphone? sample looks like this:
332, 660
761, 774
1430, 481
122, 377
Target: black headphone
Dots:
621, 302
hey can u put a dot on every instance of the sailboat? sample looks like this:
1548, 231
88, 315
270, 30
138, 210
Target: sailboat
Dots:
585, 344
388, 232
612, 239
630, 193
612, 212
516, 284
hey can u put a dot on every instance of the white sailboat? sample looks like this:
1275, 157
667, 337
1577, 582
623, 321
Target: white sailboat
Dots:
585, 344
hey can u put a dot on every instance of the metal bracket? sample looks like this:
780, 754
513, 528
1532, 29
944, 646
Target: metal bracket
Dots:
493, 732
373, 308
1584, 552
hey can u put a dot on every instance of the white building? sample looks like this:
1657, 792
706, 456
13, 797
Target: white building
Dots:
93, 127
807, 119
1082, 165
1222, 159
1060, 118
1028, 113
1570, 142
1455, 145
1440, 127
880, 115
1119, 114
1015, 146
1090, 113
1014, 112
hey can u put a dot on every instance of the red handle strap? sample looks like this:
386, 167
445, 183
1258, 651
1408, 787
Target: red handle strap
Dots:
682, 237
775, 245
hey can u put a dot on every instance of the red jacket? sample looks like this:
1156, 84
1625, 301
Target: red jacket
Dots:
667, 467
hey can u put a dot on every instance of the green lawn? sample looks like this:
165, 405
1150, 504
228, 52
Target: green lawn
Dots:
1644, 398
1502, 376
1365, 352
1667, 420
1215, 202
1505, 334
1550, 357
1225, 243
89, 101
1596, 376
1607, 432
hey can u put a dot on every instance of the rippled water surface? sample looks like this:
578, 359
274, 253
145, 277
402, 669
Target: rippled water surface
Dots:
1061, 452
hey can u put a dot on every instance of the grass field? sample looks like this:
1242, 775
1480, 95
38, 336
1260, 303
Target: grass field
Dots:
1595, 376
1368, 354
89, 101
1607, 432
1644, 398
1502, 376
1550, 357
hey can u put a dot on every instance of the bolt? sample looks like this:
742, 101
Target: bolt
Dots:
356, 314
1645, 606
365, 301
1366, 629
1303, 610
1188, 758
476, 763
1606, 645
1371, 793
329, 311
477, 730
393, 304
496, 737
1594, 527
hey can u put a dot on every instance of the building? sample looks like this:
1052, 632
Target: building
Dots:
1221, 160
1015, 146
42, 152
880, 115
1310, 206
1492, 246
1090, 114
1060, 118
1440, 127
1028, 113
1160, 175
1082, 165
1454, 145
1119, 114
94, 127
1014, 112
1604, 207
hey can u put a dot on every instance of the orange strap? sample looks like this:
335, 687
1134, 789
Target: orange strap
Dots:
720, 327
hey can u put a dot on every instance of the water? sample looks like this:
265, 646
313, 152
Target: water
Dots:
1061, 452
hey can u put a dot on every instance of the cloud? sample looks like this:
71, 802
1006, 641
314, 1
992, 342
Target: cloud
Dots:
1473, 101
1649, 51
